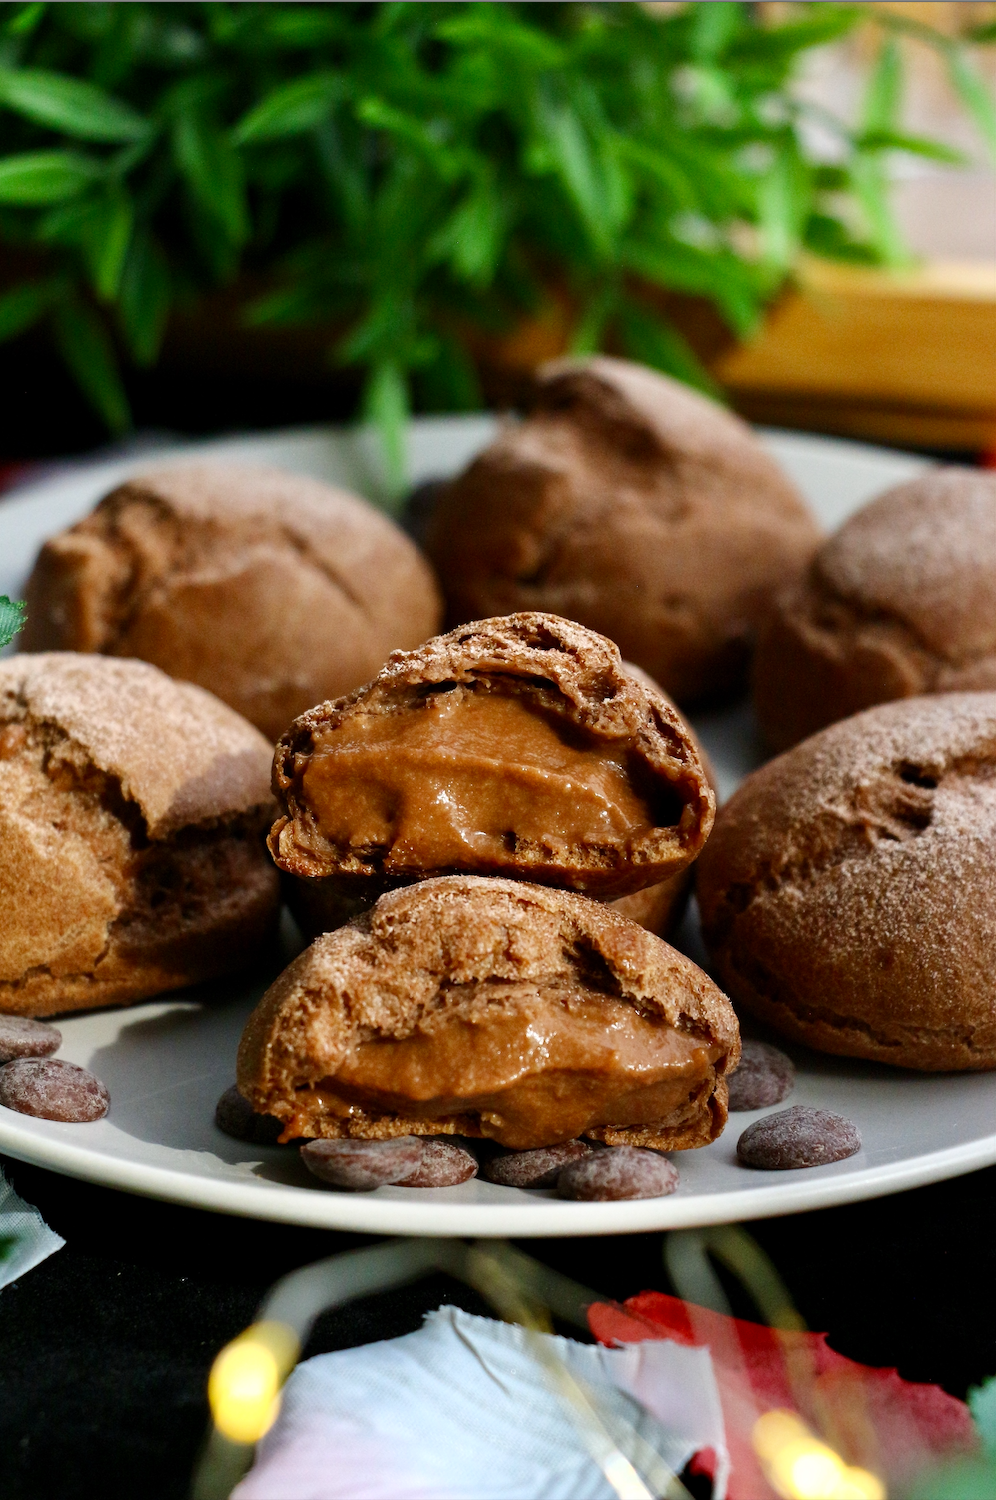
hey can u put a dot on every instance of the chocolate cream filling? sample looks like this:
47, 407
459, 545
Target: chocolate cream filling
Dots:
462, 779
522, 1067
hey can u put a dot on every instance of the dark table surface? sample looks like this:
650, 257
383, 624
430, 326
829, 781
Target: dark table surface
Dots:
105, 1347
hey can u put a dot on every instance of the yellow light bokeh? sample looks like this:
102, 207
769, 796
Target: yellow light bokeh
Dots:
801, 1467
245, 1381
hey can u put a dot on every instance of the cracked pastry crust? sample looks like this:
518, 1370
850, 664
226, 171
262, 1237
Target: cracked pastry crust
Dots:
847, 892
901, 601
450, 962
271, 590
630, 503
132, 814
573, 691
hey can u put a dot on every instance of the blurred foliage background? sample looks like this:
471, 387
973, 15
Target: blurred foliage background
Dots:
415, 185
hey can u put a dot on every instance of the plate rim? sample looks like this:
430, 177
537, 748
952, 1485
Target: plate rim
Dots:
804, 1190
370, 1213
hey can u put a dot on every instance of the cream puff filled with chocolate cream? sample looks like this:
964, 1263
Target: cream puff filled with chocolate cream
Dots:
494, 1008
518, 747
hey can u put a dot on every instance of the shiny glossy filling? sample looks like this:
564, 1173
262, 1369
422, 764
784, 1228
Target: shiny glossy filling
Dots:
530, 1068
463, 779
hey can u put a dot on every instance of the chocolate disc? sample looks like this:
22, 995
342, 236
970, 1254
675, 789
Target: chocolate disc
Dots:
616, 1173
359, 1166
21, 1037
237, 1118
798, 1137
443, 1164
52, 1090
534, 1169
764, 1076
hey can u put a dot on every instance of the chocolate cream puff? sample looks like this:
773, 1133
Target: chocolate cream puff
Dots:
520, 746
900, 601
132, 815
494, 1008
847, 892
634, 505
271, 590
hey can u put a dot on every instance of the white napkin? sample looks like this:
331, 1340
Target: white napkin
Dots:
462, 1410
33, 1241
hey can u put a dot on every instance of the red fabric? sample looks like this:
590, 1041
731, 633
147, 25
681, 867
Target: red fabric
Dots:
871, 1417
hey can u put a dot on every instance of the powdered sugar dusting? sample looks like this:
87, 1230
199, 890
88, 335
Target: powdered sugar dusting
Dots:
179, 753
848, 889
924, 552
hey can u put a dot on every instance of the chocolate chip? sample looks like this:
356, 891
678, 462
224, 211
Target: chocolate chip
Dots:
358, 1166
764, 1076
798, 1137
52, 1090
618, 1172
236, 1117
538, 1168
21, 1037
443, 1164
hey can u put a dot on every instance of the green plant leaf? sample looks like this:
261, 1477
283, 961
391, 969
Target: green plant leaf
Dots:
713, 28
471, 239
38, 177
580, 171
144, 298
85, 346
449, 382
589, 331
212, 170
112, 249
495, 28
823, 23
290, 109
70, 105
974, 95
22, 306
13, 614
649, 338
884, 94
423, 175
915, 145
783, 204
386, 405
25, 18
871, 185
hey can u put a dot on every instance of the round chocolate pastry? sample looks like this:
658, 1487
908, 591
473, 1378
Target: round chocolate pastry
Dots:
623, 1172
534, 1169
360, 1166
847, 892
764, 1076
634, 505
900, 601
237, 1118
52, 1089
797, 1137
20, 1037
132, 812
272, 590
442, 1164
519, 746
494, 1008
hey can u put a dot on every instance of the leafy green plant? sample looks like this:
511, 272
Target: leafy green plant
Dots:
12, 616
420, 176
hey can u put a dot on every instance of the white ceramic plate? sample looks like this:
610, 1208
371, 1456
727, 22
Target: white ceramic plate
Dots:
166, 1062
